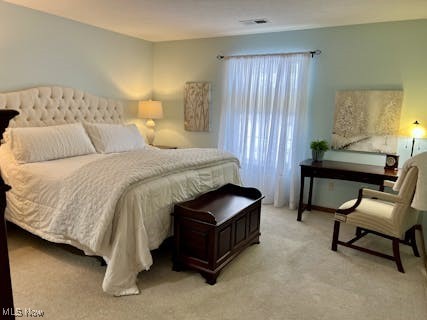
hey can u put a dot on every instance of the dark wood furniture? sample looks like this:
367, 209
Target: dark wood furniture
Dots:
409, 240
6, 301
165, 147
212, 229
341, 171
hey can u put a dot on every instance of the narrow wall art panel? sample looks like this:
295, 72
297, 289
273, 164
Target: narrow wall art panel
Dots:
367, 120
197, 98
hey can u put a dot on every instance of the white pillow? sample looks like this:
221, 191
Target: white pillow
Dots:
33, 144
109, 138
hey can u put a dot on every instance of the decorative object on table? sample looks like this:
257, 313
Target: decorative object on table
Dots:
417, 132
318, 148
150, 110
197, 97
367, 120
391, 161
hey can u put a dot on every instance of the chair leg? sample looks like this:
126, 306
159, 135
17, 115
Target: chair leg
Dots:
335, 236
407, 236
358, 231
413, 241
396, 254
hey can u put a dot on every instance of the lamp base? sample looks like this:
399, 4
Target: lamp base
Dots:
150, 132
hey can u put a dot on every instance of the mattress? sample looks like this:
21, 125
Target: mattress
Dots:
141, 217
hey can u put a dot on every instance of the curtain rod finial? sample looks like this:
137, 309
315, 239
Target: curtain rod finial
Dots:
220, 57
315, 53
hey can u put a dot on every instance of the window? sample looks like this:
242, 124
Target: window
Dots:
262, 121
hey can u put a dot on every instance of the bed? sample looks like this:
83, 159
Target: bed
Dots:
103, 200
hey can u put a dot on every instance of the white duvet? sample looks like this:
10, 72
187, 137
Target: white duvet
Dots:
117, 206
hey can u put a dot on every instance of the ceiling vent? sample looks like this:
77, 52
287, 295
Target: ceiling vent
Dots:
254, 21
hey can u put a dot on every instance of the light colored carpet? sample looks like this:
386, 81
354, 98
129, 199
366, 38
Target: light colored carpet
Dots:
292, 274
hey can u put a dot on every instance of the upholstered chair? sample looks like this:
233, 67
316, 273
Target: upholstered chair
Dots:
384, 214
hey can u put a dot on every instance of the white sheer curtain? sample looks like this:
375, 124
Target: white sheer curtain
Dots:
263, 122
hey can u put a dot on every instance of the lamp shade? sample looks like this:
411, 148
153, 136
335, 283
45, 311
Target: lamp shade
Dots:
150, 109
417, 131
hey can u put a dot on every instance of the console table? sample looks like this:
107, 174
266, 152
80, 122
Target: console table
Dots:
341, 171
6, 302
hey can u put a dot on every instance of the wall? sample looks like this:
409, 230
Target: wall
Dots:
371, 56
41, 49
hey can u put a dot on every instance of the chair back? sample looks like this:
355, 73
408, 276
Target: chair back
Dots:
405, 216
407, 190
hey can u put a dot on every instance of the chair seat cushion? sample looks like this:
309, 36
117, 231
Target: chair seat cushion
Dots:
372, 214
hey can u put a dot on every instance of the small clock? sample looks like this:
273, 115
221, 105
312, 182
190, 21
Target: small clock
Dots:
391, 161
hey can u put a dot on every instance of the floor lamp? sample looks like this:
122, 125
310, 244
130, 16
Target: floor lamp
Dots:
416, 133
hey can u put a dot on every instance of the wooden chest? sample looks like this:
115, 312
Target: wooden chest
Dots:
212, 229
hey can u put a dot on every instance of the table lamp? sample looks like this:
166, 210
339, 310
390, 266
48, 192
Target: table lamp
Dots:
416, 133
150, 110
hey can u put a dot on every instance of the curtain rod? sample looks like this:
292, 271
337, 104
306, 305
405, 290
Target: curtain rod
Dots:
313, 53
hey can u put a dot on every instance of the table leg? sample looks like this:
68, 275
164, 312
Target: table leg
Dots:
301, 199
310, 193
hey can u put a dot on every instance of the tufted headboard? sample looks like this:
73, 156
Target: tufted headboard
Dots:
46, 106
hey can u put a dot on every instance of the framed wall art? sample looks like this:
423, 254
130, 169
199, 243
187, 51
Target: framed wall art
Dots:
367, 120
197, 96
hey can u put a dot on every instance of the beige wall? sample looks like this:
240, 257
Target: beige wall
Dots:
371, 56
41, 49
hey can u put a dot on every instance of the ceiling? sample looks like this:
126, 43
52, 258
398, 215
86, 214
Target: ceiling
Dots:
163, 20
